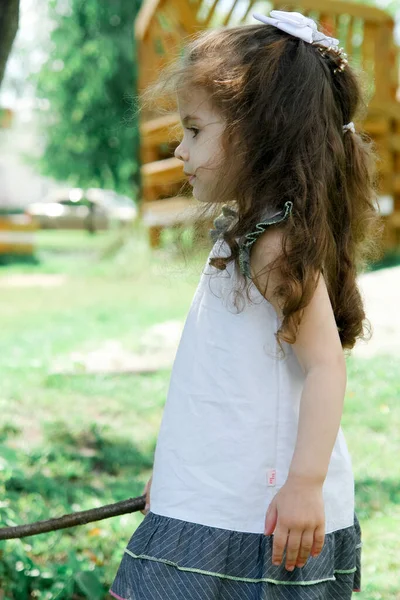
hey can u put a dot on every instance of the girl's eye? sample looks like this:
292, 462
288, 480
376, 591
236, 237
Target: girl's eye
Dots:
195, 131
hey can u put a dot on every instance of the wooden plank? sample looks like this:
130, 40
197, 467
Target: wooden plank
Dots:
210, 14
382, 53
159, 166
171, 211
395, 72
161, 123
385, 160
187, 15
17, 235
335, 7
376, 126
178, 32
153, 56
228, 15
349, 36
162, 172
327, 23
172, 135
368, 54
368, 59
393, 51
386, 108
394, 142
396, 183
148, 154
145, 16
249, 7
160, 130
394, 220
197, 4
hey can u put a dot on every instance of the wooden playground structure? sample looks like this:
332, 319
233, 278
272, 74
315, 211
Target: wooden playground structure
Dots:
365, 32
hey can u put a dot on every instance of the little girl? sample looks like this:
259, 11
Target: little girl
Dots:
252, 492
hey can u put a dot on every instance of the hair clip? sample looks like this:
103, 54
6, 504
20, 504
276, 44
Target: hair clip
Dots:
339, 54
349, 127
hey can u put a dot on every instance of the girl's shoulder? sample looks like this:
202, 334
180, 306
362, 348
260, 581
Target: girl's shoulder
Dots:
265, 251
261, 232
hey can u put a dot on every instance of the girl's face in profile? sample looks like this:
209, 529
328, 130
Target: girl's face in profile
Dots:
200, 149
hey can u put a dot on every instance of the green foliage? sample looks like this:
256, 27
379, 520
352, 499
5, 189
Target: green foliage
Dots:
89, 79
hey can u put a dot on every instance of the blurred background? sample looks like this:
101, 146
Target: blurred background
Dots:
99, 260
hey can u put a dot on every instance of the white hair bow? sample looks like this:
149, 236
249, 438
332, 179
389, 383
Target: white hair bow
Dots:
298, 25
349, 127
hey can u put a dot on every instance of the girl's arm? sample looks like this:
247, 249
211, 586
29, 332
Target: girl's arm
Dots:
319, 352
297, 510
320, 355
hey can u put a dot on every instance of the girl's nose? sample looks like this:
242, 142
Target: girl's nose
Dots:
181, 153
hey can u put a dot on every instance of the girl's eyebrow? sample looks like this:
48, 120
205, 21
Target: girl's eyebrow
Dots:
190, 118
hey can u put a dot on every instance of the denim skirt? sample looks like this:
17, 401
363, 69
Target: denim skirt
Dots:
171, 559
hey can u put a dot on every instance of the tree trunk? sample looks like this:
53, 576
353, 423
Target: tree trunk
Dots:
9, 16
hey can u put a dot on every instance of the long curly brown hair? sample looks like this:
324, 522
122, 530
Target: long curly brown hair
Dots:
285, 110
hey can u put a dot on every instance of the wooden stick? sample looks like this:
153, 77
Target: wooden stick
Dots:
74, 519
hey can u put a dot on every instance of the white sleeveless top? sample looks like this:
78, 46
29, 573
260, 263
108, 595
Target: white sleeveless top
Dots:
230, 420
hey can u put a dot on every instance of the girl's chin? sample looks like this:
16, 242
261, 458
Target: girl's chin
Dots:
197, 196
201, 195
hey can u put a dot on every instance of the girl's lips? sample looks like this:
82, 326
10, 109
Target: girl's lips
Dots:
192, 178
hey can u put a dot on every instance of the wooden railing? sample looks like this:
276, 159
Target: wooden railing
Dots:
365, 32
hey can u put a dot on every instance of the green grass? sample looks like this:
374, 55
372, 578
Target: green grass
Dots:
76, 442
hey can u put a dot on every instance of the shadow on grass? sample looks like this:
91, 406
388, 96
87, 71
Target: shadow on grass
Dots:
72, 466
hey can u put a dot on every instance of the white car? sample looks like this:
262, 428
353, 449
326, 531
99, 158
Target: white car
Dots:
92, 209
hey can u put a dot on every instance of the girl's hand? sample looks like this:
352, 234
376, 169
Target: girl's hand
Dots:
298, 517
146, 491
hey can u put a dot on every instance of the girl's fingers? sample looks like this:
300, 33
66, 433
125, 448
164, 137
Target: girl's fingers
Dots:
292, 551
146, 492
307, 540
299, 546
319, 539
278, 546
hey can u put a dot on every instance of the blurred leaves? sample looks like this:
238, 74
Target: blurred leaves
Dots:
90, 585
87, 85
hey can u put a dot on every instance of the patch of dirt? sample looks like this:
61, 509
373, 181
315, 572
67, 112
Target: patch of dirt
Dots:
381, 293
158, 348
32, 280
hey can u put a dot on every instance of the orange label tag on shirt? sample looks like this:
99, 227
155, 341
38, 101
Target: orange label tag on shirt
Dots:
271, 478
